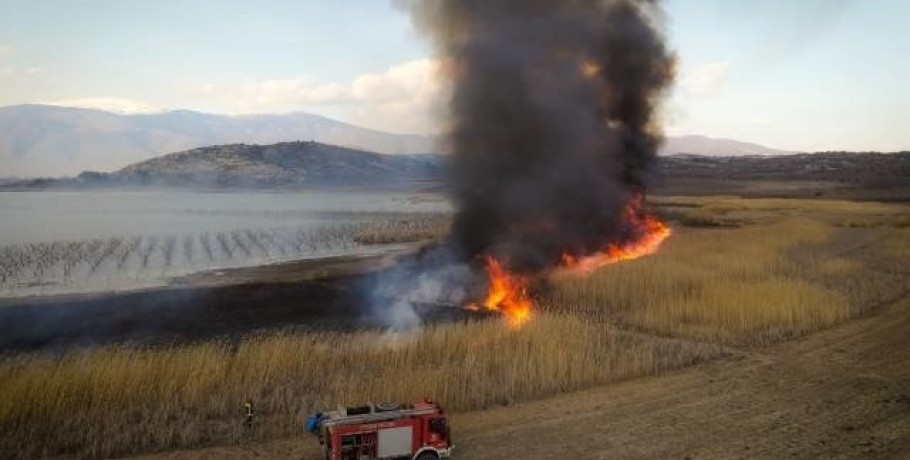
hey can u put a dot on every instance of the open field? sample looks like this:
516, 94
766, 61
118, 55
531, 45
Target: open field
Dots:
738, 274
843, 393
145, 400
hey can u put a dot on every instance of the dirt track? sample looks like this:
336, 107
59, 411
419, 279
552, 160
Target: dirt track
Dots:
842, 393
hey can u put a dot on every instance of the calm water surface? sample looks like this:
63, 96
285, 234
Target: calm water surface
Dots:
31, 217
64, 242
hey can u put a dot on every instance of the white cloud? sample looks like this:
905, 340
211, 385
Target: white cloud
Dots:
109, 104
707, 79
402, 98
415, 78
8, 66
265, 94
407, 97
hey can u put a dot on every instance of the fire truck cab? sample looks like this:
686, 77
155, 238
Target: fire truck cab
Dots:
417, 431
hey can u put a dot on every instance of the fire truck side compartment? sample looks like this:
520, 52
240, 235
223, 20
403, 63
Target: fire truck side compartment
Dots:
395, 442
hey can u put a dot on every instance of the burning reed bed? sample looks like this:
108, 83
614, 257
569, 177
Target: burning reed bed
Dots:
787, 268
122, 400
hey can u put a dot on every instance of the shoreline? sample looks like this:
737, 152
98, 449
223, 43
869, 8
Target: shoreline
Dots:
327, 294
300, 269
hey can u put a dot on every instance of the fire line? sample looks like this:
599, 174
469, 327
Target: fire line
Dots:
508, 293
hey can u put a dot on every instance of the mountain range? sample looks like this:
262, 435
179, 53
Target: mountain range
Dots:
39, 140
42, 140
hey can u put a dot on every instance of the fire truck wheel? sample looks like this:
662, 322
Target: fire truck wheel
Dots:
427, 456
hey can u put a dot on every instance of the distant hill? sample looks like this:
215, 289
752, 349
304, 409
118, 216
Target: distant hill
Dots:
283, 165
848, 167
862, 175
316, 165
42, 141
708, 146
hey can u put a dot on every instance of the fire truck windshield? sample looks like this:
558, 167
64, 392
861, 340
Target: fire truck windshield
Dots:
438, 426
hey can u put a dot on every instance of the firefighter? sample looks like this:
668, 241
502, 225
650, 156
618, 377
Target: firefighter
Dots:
248, 411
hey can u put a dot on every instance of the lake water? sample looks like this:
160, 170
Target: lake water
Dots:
31, 217
54, 242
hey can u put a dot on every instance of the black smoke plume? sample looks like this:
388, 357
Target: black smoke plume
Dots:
551, 128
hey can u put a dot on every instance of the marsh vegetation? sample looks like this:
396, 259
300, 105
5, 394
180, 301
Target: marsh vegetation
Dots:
769, 271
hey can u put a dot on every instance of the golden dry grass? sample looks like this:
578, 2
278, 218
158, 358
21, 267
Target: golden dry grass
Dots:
115, 401
772, 269
788, 268
407, 229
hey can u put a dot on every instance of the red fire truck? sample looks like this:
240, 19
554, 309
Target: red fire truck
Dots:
417, 431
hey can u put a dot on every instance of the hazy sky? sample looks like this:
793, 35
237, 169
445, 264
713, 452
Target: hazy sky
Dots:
793, 74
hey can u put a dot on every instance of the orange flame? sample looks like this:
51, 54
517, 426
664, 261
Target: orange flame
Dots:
508, 294
590, 68
651, 234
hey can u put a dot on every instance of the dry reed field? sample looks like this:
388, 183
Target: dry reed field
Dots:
113, 401
735, 273
757, 272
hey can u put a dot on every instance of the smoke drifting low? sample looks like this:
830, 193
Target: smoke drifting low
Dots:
551, 121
